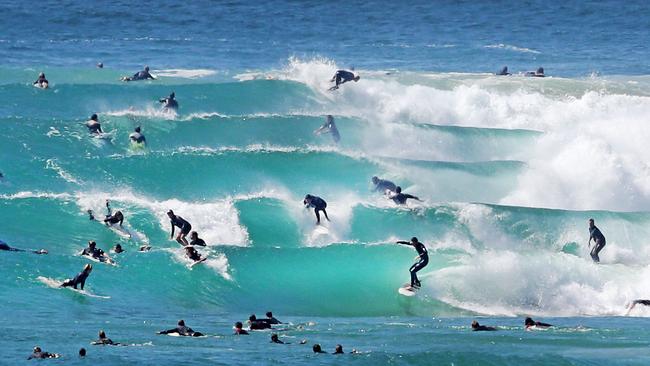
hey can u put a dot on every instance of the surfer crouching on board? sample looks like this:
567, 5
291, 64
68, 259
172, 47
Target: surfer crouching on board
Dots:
599, 241
5, 246
343, 76
137, 137
318, 204
183, 225
182, 330
140, 75
79, 279
93, 125
422, 259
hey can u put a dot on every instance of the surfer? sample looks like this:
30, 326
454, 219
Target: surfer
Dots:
192, 253
112, 219
103, 341
5, 246
183, 225
195, 240
539, 73
317, 349
182, 330
169, 103
118, 249
599, 241
530, 323
137, 137
476, 327
338, 350
275, 339
79, 279
318, 204
93, 125
82, 352
422, 259
92, 250
270, 319
329, 127
635, 303
400, 198
503, 71
343, 76
383, 185
41, 81
258, 324
40, 354
140, 75
239, 329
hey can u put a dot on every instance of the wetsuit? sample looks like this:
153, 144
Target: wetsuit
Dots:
170, 103
383, 185
318, 204
93, 252
260, 324
141, 75
400, 198
114, 219
421, 263
38, 355
137, 137
193, 254
5, 246
78, 280
198, 241
182, 224
599, 239
94, 127
183, 331
105, 342
343, 76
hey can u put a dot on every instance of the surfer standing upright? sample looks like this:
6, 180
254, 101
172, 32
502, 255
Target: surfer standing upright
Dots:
422, 259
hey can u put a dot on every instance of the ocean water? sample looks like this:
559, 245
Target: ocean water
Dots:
509, 170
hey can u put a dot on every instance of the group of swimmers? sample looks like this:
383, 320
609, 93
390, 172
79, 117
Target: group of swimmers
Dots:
539, 73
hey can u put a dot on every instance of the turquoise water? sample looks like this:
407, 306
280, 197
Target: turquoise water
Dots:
509, 169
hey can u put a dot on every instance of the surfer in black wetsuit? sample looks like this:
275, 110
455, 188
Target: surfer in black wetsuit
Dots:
93, 251
343, 76
140, 75
183, 225
270, 319
258, 324
422, 259
275, 339
192, 253
195, 240
476, 327
503, 71
383, 185
400, 198
182, 330
539, 73
38, 354
93, 125
104, 341
635, 303
599, 241
239, 329
5, 246
41, 81
112, 219
169, 103
529, 323
118, 249
137, 136
329, 127
79, 279
318, 204
317, 348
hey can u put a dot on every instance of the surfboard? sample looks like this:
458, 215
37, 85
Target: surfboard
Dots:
107, 260
56, 284
199, 261
41, 86
407, 290
121, 231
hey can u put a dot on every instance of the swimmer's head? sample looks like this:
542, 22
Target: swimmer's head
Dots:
338, 349
239, 325
375, 179
82, 352
41, 75
137, 129
37, 349
181, 323
274, 337
529, 321
269, 314
398, 190
356, 78
102, 334
252, 318
194, 235
94, 117
172, 95
414, 240
170, 213
146, 68
316, 348
540, 71
474, 324
92, 244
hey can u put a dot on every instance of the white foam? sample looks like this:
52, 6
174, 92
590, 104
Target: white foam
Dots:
186, 73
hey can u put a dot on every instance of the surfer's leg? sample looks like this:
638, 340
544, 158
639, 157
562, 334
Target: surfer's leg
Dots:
414, 278
317, 216
325, 212
67, 283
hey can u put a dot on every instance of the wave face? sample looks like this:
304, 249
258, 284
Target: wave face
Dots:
508, 170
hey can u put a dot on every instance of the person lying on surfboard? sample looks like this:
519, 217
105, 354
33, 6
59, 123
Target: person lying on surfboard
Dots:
422, 260
41, 81
79, 279
476, 327
96, 253
5, 246
182, 330
530, 323
140, 75
93, 125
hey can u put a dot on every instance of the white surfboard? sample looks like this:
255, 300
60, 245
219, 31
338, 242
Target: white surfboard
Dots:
56, 284
41, 86
407, 290
107, 260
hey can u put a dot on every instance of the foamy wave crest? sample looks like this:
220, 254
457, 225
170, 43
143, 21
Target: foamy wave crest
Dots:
53, 165
512, 48
149, 112
185, 73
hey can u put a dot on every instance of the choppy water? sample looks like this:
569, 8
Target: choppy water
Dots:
509, 170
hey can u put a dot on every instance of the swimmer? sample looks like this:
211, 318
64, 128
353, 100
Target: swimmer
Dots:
317, 349
100, 65
192, 254
258, 324
182, 330
103, 341
400, 198
118, 249
145, 248
140, 75
5, 246
112, 219
239, 329
329, 127
383, 185
93, 125
183, 225
530, 324
635, 303
79, 279
40, 354
422, 259
42, 81
343, 76
195, 240
539, 73
503, 71
82, 352
270, 319
476, 327
137, 137
338, 350
169, 103
599, 241
275, 339
318, 204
